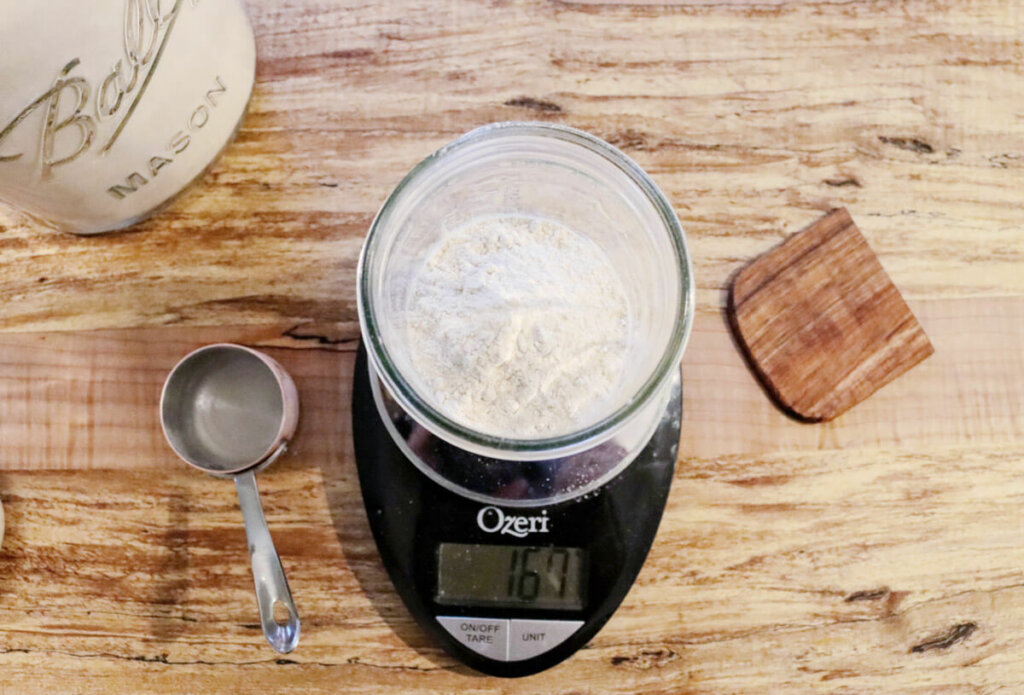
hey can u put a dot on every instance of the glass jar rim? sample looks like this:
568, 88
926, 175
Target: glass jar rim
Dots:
526, 449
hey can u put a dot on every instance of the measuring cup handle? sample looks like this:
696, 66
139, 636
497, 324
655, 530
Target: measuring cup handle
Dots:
267, 573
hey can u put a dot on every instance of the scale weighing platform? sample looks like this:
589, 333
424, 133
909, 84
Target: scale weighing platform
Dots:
507, 589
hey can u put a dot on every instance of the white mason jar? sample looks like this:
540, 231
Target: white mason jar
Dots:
109, 108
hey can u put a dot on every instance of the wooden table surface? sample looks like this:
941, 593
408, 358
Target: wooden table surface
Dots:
882, 552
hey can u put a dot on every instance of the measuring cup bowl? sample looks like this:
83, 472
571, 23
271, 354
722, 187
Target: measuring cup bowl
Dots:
229, 411
227, 408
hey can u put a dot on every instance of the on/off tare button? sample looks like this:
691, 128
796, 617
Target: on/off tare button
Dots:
530, 638
485, 636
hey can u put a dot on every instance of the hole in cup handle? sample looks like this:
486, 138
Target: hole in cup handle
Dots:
278, 616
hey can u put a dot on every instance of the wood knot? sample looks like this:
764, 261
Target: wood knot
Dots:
535, 104
759, 480
647, 659
867, 595
629, 139
881, 599
327, 335
957, 633
909, 144
840, 182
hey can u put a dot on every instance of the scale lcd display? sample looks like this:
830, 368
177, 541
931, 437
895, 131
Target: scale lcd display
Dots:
511, 576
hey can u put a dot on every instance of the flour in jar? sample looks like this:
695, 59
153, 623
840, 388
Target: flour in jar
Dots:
518, 327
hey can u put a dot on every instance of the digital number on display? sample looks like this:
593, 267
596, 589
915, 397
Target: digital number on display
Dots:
511, 576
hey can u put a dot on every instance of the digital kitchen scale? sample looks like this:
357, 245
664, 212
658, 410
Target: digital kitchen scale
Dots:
505, 583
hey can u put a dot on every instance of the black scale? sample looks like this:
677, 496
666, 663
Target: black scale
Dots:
508, 590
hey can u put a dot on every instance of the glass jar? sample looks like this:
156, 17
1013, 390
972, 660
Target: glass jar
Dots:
109, 108
570, 177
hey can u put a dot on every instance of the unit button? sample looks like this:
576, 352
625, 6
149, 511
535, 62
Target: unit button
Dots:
484, 636
529, 638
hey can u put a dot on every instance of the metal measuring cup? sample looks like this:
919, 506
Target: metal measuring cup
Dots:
229, 411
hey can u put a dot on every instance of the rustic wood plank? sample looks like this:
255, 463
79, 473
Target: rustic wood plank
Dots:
822, 323
845, 535
752, 116
852, 538
88, 400
817, 571
968, 391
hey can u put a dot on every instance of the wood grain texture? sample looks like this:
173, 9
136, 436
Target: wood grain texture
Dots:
879, 552
89, 400
821, 322
133, 582
753, 117
818, 557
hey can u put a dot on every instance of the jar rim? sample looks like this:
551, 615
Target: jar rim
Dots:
508, 447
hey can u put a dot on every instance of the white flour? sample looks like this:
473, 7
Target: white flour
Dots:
518, 327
